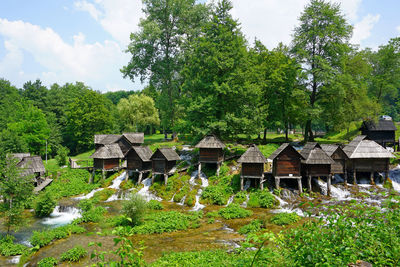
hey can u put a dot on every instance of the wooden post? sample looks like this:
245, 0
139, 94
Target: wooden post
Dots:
329, 185
165, 179
218, 167
300, 185
345, 177
152, 178
355, 177
102, 174
199, 170
277, 181
371, 178
140, 177
241, 183
262, 182
309, 183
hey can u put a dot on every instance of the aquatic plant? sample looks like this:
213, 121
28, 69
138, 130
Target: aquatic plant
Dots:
154, 205
261, 199
45, 237
285, 218
233, 211
47, 262
252, 227
9, 248
134, 208
74, 254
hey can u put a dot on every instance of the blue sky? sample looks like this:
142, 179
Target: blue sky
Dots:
84, 40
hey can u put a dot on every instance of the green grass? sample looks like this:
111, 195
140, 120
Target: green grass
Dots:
343, 136
51, 166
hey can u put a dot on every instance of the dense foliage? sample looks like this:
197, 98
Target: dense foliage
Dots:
45, 204
74, 254
9, 248
47, 262
285, 218
134, 208
233, 211
261, 199
45, 237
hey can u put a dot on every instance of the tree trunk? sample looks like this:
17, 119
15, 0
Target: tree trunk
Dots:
265, 135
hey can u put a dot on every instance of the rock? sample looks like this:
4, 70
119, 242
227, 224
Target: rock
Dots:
360, 263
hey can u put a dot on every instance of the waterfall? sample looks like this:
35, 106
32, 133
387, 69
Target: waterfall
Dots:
247, 185
204, 183
62, 215
91, 194
197, 206
145, 190
335, 192
117, 181
186, 155
394, 175
182, 202
230, 200
15, 259
284, 208
244, 204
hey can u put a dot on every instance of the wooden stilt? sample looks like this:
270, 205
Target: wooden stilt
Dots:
165, 179
140, 177
345, 178
218, 167
300, 185
102, 174
241, 183
355, 177
277, 182
262, 183
371, 178
329, 185
152, 178
309, 183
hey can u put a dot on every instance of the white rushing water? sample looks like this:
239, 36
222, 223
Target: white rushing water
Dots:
62, 216
336, 192
15, 259
204, 183
247, 185
182, 202
244, 204
197, 206
91, 194
394, 175
230, 200
117, 181
145, 191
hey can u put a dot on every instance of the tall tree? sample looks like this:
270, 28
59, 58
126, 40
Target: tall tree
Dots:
87, 116
138, 112
37, 93
157, 49
219, 93
15, 190
319, 44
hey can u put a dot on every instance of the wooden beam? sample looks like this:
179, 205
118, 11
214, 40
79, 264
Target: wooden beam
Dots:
300, 185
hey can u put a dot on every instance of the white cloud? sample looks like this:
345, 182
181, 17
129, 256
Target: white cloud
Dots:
273, 21
362, 29
117, 17
95, 64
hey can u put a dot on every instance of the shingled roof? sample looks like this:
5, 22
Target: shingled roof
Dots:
252, 155
112, 151
20, 156
168, 153
381, 125
361, 148
106, 139
134, 138
279, 150
210, 141
144, 152
313, 154
32, 164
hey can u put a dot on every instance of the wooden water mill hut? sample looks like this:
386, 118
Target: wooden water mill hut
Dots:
316, 163
163, 162
107, 158
367, 156
139, 160
125, 141
339, 157
33, 165
101, 140
286, 164
383, 131
252, 162
211, 150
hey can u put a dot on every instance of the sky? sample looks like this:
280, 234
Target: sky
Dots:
60, 41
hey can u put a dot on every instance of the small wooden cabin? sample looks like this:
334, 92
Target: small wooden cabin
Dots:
367, 156
286, 164
383, 131
125, 141
33, 165
101, 140
339, 157
139, 160
163, 162
252, 162
211, 150
316, 163
107, 157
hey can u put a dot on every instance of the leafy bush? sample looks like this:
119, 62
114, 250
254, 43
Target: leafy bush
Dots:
45, 237
254, 226
45, 204
263, 199
181, 193
233, 211
103, 195
154, 205
70, 183
126, 184
47, 262
134, 208
216, 194
168, 221
86, 204
62, 156
240, 197
74, 254
95, 214
285, 218
9, 248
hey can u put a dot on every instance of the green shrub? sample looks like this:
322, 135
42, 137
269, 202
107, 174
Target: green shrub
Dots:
45, 237
127, 184
216, 194
181, 193
154, 205
263, 199
62, 156
168, 221
45, 204
47, 262
254, 226
86, 204
74, 254
134, 208
95, 214
285, 218
233, 211
9, 248
103, 195
240, 197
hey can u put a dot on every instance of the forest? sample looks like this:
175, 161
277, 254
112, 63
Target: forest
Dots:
202, 76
